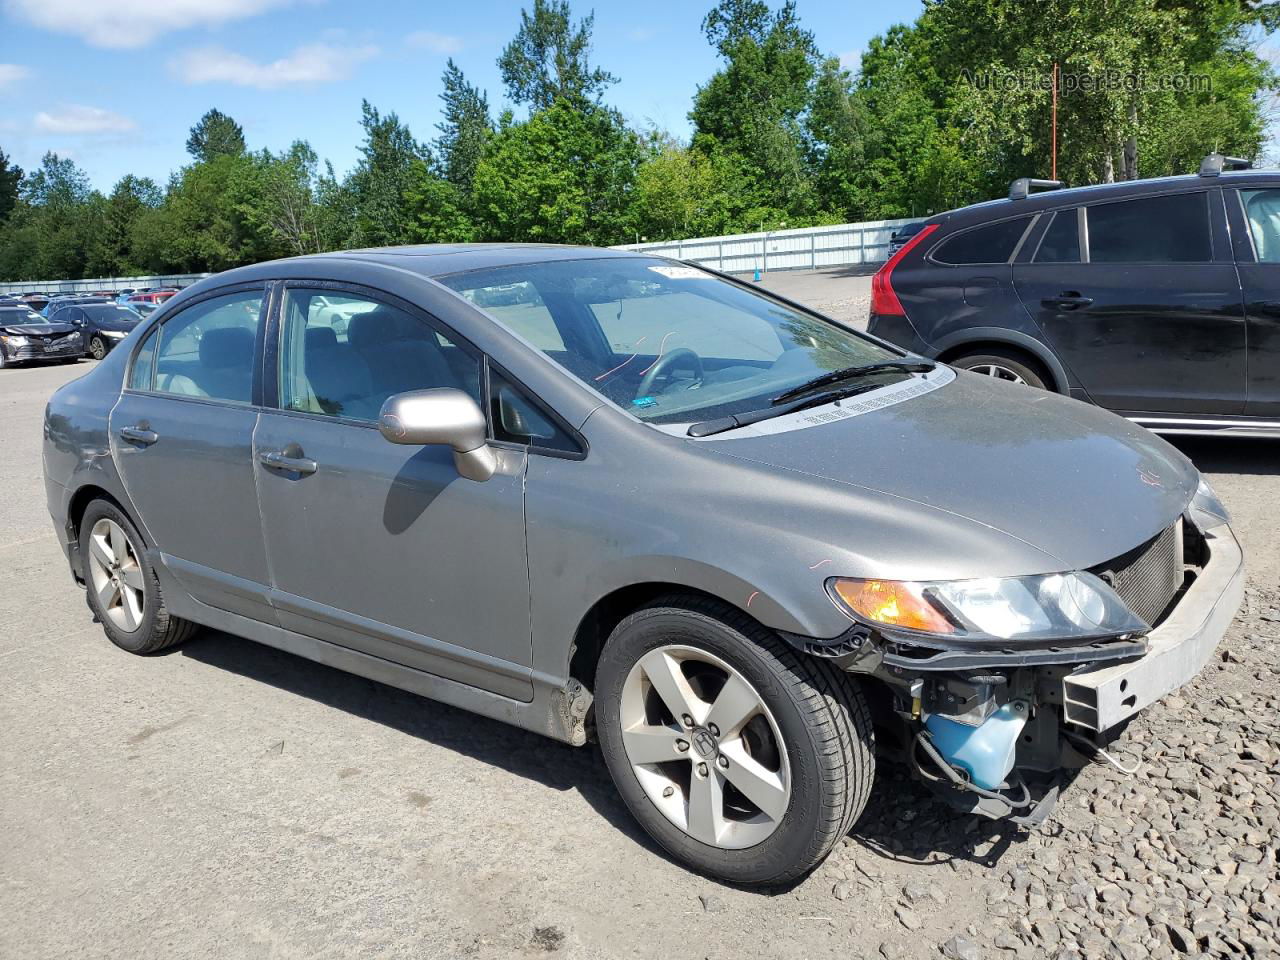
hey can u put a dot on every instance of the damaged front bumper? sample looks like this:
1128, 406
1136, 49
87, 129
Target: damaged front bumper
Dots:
992, 729
1101, 696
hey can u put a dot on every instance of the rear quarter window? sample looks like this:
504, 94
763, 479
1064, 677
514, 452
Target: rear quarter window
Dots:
993, 243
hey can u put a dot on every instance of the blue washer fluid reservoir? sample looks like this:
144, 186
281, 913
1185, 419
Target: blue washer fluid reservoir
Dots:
985, 751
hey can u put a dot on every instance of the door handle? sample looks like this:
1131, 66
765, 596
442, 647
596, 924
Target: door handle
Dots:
1068, 300
278, 461
139, 435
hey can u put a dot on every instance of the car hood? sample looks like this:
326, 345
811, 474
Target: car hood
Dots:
37, 329
1072, 480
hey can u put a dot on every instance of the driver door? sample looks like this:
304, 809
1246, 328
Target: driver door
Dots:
375, 546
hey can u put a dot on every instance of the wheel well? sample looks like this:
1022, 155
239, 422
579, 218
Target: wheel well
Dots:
80, 501
1003, 348
605, 615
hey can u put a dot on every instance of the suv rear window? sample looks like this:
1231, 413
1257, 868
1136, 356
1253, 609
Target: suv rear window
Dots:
1169, 229
993, 243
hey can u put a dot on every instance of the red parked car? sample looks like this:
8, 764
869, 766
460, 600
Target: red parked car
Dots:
153, 296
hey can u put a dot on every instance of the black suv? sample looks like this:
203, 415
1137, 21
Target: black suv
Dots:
1158, 299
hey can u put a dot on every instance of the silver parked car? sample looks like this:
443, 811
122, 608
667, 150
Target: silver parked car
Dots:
603, 495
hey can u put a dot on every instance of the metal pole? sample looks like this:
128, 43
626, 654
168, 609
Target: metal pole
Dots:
1053, 175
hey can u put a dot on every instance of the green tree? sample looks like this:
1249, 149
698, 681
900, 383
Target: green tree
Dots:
549, 59
114, 218
376, 191
465, 130
202, 225
277, 199
683, 192
437, 209
10, 178
215, 135
756, 104
55, 195
564, 176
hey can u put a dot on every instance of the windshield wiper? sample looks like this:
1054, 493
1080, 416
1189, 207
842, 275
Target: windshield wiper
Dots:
708, 427
851, 373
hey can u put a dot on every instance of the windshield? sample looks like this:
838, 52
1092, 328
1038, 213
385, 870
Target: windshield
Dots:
669, 342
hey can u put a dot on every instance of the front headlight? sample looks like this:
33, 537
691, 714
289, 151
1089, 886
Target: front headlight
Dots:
15, 341
1206, 509
1055, 606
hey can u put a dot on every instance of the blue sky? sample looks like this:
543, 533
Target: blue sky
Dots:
116, 84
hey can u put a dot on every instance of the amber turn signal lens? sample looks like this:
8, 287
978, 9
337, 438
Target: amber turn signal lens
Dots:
892, 603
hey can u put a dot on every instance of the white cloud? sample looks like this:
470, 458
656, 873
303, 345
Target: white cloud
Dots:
309, 65
129, 24
74, 120
851, 60
435, 42
11, 74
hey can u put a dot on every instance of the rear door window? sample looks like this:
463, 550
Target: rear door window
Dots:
1262, 209
207, 350
994, 243
1168, 229
1061, 242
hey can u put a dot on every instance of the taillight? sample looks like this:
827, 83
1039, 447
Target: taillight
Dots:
884, 302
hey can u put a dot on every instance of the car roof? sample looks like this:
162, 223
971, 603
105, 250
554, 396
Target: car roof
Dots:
1072, 196
436, 260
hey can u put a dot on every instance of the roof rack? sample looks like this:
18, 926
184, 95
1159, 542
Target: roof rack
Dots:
1215, 163
1021, 188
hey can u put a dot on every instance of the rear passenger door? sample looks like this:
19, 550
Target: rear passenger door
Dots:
375, 546
182, 435
1139, 298
1256, 232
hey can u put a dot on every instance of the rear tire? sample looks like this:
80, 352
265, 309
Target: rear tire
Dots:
1008, 365
123, 589
804, 757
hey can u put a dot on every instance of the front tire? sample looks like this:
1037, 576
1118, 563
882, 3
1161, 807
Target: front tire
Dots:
123, 589
97, 349
743, 758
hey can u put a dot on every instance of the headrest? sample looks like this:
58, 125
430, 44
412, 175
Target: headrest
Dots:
227, 347
382, 325
320, 338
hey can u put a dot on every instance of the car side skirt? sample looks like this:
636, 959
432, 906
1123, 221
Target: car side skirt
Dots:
1206, 426
556, 709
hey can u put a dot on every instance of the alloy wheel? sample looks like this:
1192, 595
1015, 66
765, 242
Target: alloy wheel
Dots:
997, 371
97, 349
704, 747
115, 575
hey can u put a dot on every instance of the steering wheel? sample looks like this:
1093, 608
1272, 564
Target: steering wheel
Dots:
669, 361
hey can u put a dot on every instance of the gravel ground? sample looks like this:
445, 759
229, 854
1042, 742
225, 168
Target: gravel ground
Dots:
231, 800
843, 293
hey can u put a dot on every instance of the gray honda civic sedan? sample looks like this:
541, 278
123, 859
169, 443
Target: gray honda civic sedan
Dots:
609, 497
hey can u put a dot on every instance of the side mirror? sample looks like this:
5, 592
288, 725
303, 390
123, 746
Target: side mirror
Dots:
441, 415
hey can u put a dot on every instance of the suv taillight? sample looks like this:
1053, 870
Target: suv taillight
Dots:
884, 302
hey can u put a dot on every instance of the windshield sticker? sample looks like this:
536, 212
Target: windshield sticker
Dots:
675, 272
643, 402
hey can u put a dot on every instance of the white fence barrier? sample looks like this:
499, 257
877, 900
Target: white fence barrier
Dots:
806, 248
101, 283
